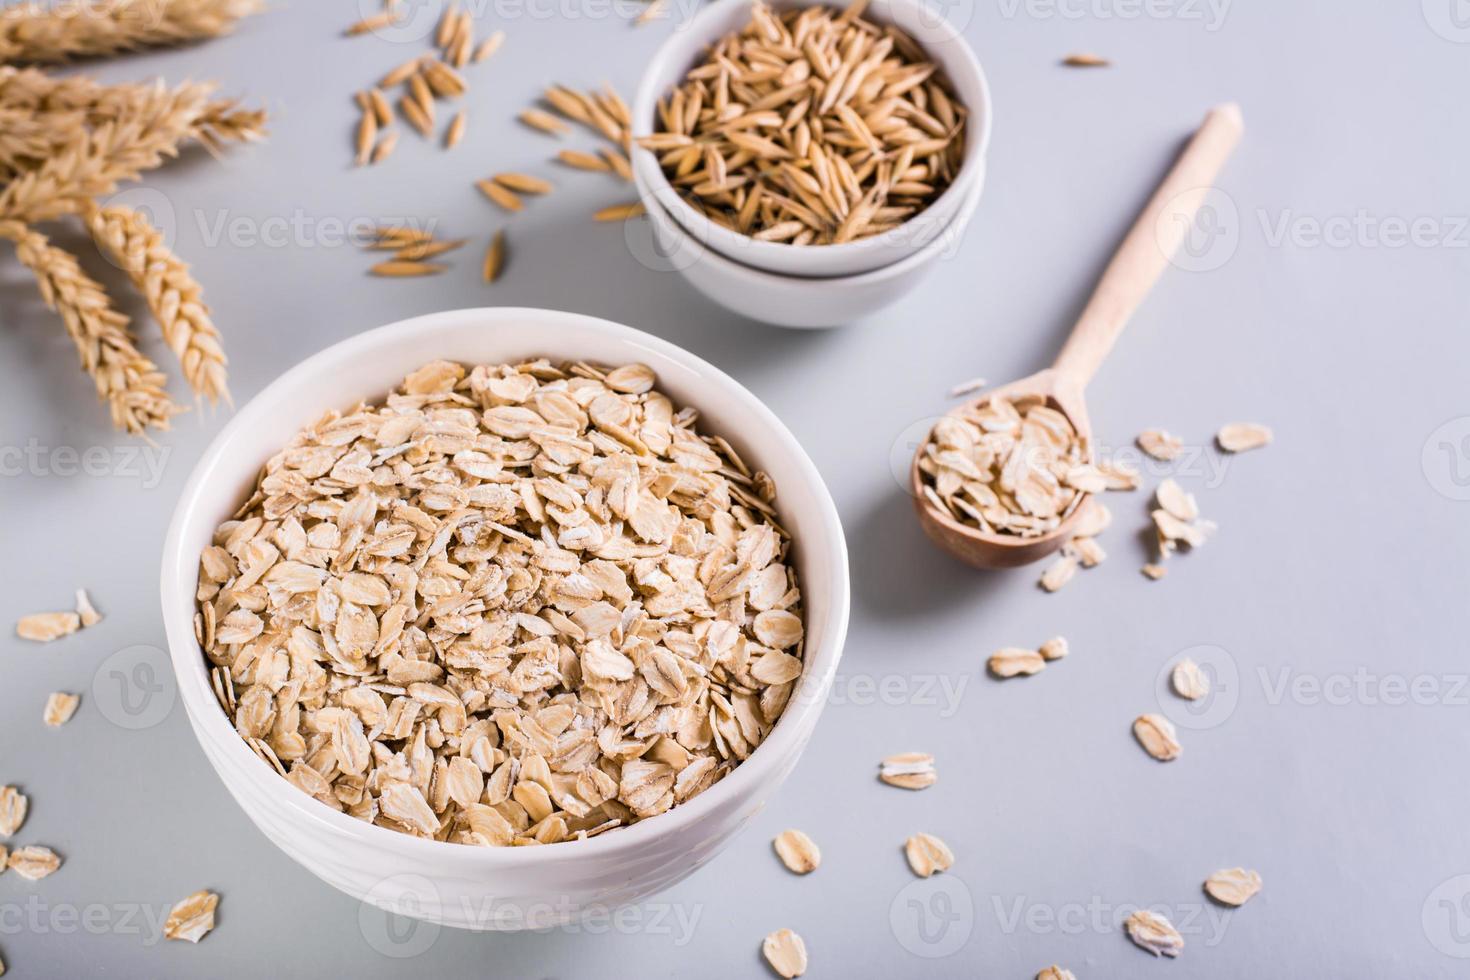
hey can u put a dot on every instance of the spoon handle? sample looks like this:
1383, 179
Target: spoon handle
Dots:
1150, 244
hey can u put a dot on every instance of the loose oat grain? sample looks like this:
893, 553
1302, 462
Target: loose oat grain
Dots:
1189, 680
786, 953
1160, 444
1157, 736
45, 627
797, 851
1233, 886
59, 709
1015, 661
34, 862
1237, 437
192, 918
927, 854
13, 806
1154, 933
908, 770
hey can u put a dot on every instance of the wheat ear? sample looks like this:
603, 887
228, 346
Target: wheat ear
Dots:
93, 162
28, 138
128, 381
33, 32
174, 296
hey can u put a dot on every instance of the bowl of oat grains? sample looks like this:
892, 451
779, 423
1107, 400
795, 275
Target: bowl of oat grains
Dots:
502, 617
813, 140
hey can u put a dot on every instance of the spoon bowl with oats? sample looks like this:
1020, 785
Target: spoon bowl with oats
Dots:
1006, 479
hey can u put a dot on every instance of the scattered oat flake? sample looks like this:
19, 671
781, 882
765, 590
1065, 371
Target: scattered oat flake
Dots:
1055, 972
33, 862
1059, 573
1233, 886
1159, 444
60, 706
927, 854
1154, 933
786, 953
1086, 61
13, 805
1156, 734
1189, 680
1015, 661
1093, 520
1154, 571
797, 851
967, 387
1176, 500
1118, 475
193, 918
1173, 530
1237, 437
1055, 648
909, 770
1087, 551
45, 627
88, 615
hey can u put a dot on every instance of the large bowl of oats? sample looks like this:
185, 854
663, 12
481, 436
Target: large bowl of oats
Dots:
500, 618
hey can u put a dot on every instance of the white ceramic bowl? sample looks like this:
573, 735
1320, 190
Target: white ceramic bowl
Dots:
792, 301
520, 887
937, 36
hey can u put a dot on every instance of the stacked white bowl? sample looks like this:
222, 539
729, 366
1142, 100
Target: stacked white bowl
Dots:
810, 285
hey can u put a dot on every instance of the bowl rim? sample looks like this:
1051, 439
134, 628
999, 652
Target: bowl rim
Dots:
959, 222
645, 102
208, 721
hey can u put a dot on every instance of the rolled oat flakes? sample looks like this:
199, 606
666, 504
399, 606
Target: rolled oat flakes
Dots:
512, 604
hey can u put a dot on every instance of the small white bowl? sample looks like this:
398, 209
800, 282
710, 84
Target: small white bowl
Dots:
939, 39
514, 887
793, 301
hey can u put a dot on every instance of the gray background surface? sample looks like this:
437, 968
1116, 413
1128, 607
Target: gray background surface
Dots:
1331, 760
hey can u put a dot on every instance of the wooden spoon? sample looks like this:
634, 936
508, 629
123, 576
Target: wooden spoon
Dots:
1144, 253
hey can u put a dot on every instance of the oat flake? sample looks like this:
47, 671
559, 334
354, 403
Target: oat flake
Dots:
193, 918
1015, 661
1156, 734
927, 854
13, 805
1189, 680
908, 770
60, 706
34, 862
786, 953
1154, 933
1233, 886
1237, 437
798, 852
